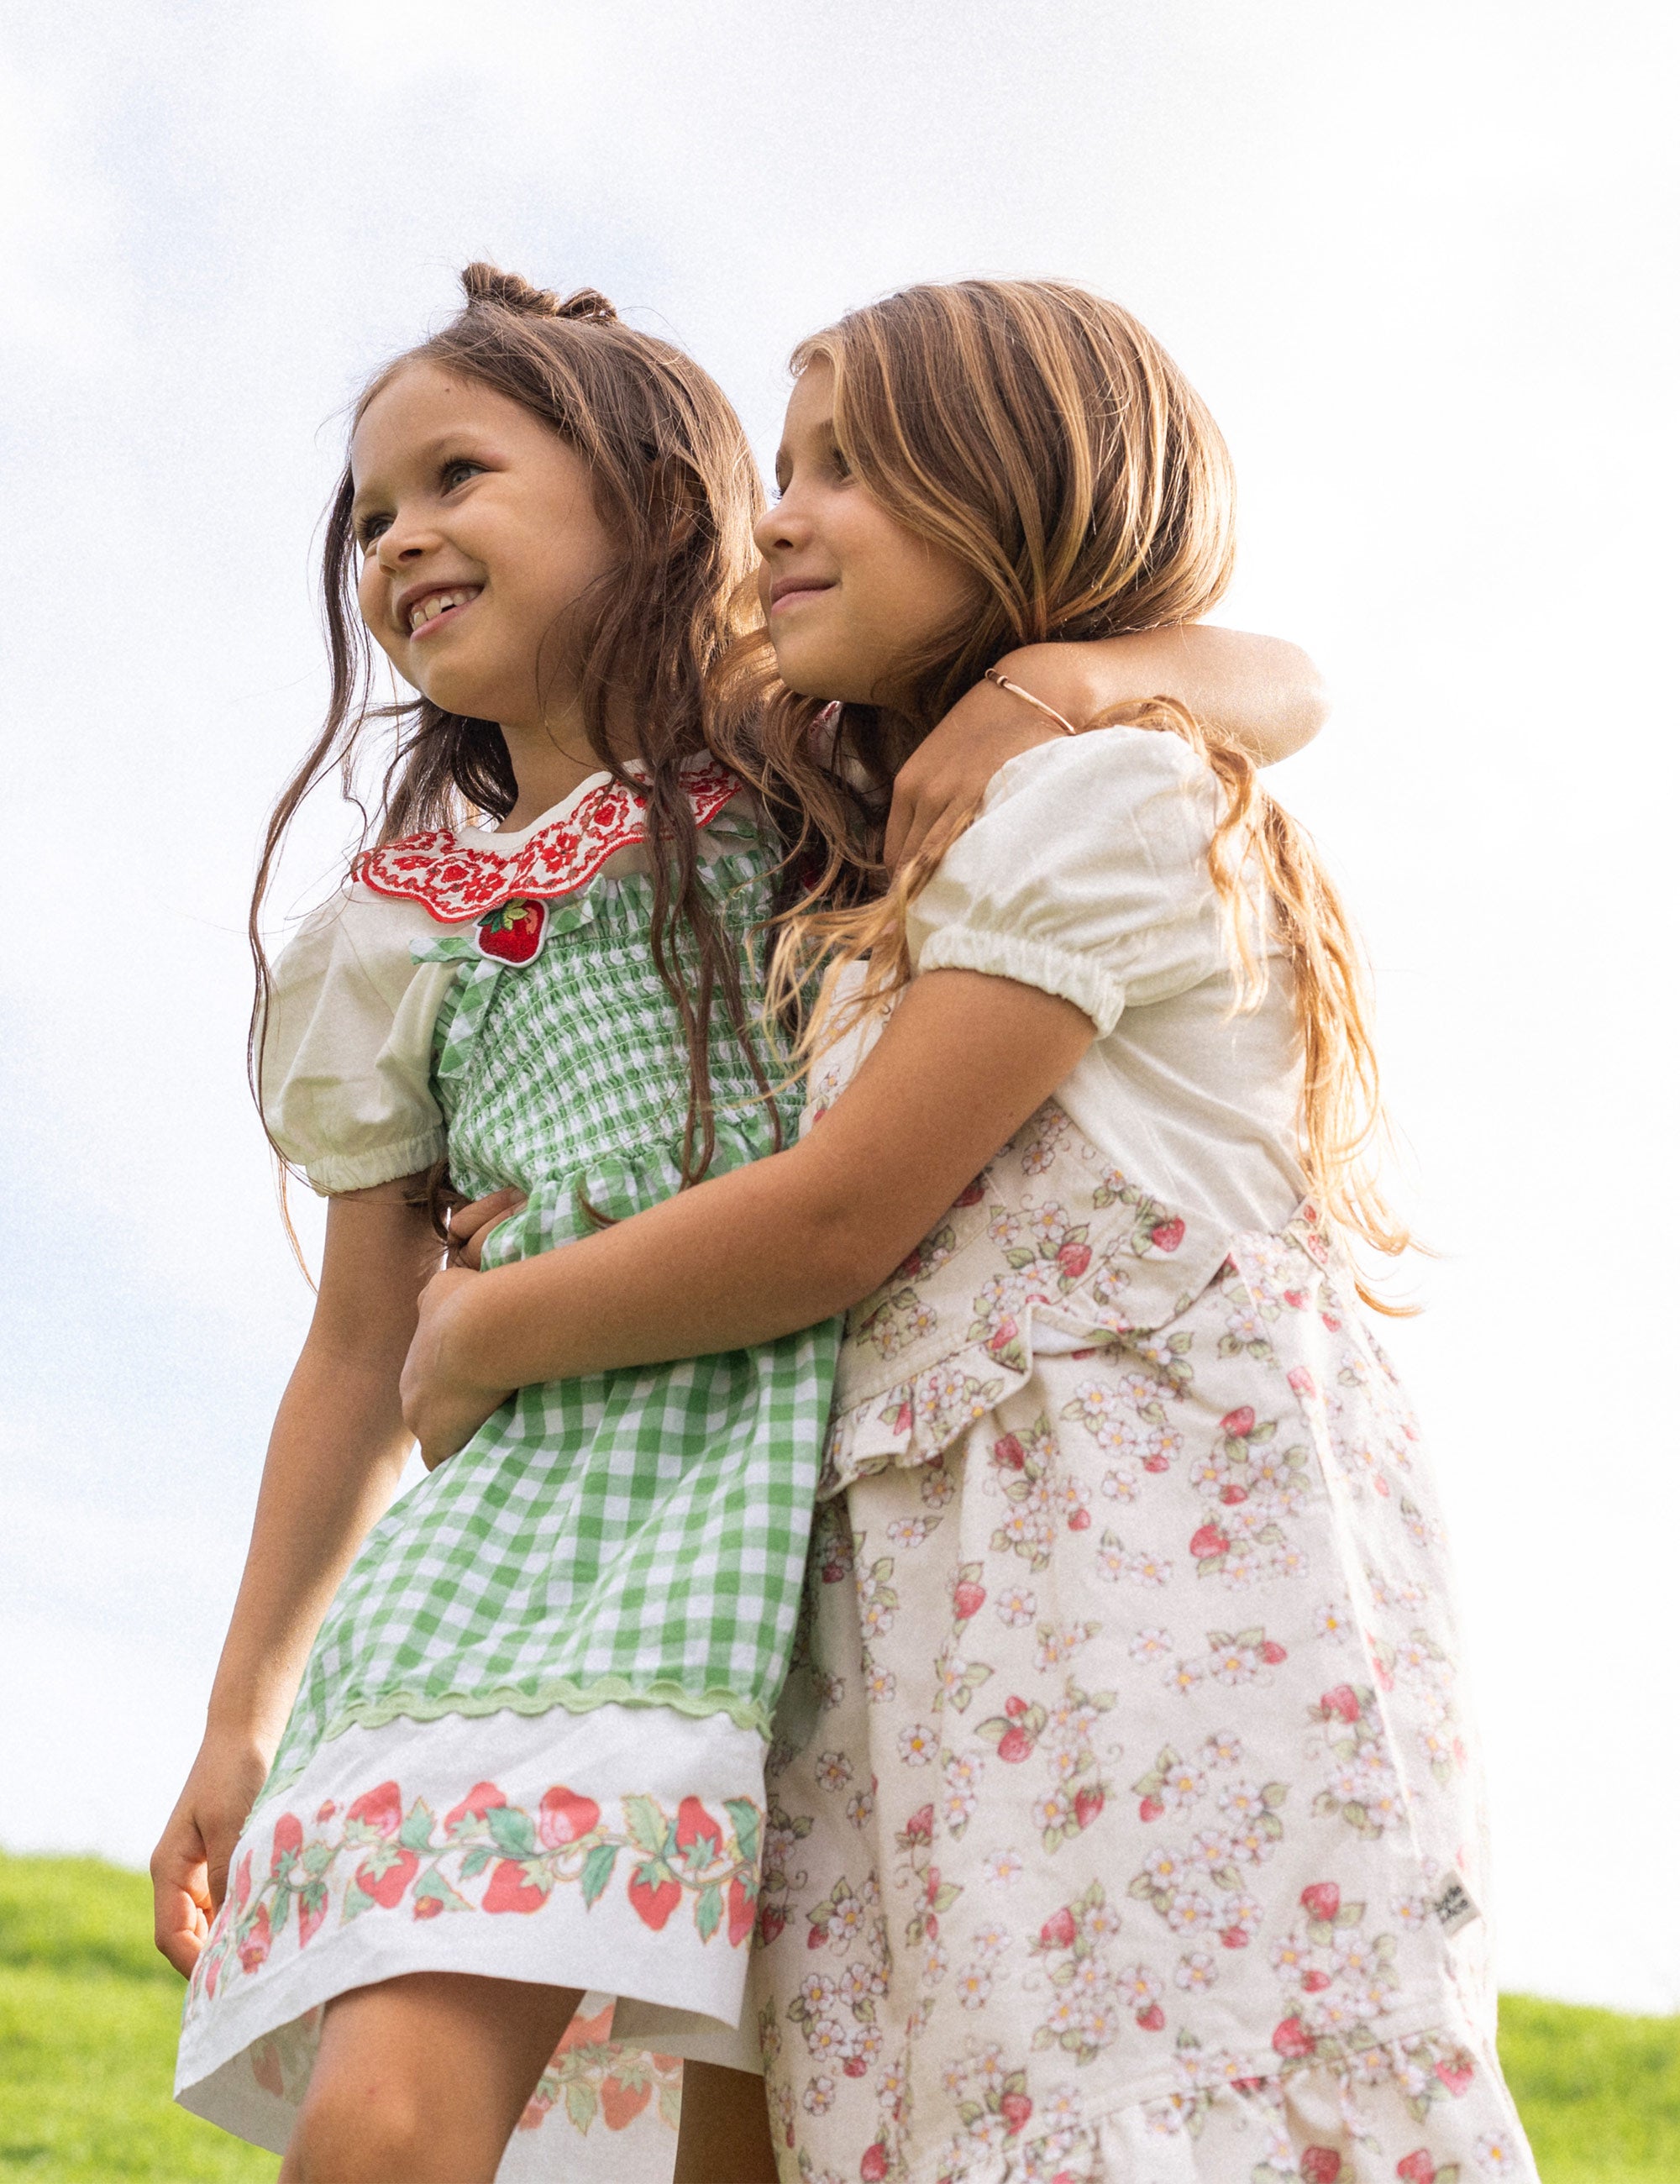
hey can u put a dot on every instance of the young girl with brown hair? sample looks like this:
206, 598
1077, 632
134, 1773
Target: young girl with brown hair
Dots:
508, 1745
1124, 1820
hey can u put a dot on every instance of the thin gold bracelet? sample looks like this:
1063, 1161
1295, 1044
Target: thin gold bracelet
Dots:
1002, 682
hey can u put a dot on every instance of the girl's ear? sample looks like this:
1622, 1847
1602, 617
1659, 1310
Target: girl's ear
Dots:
676, 501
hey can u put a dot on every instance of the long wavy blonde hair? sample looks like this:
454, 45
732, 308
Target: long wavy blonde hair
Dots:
1043, 438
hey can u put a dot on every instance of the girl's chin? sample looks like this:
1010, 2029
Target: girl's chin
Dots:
806, 679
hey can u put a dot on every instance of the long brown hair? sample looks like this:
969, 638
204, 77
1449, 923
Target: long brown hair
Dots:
677, 484
1042, 437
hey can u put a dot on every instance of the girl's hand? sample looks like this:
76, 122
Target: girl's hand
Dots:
442, 1407
1258, 693
189, 1866
469, 1225
940, 785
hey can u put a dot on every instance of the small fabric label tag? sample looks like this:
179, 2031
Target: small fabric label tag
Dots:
1455, 1907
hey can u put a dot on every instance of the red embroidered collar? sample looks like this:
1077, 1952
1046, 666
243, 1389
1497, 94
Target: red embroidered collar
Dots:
456, 881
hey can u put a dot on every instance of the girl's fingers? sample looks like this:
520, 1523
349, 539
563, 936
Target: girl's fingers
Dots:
901, 824
469, 1225
181, 1908
467, 1220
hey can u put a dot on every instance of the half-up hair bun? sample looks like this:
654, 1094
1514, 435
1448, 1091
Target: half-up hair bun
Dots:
483, 283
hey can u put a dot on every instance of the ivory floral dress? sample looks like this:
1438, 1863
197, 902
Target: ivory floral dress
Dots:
1125, 1820
529, 1740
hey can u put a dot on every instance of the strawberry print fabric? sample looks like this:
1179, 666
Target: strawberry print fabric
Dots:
456, 1845
1125, 1822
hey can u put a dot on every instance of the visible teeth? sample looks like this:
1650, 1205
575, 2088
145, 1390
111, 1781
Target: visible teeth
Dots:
434, 603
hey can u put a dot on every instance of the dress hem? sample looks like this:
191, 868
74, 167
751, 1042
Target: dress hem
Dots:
571, 1697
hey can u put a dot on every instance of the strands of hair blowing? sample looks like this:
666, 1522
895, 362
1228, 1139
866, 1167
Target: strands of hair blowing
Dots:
1043, 437
677, 487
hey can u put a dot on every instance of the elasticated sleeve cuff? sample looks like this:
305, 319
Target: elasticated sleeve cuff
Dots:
1081, 979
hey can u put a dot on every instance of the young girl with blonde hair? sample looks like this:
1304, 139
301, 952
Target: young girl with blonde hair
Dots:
507, 1746
1125, 1824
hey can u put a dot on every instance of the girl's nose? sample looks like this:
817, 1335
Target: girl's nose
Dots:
400, 544
781, 527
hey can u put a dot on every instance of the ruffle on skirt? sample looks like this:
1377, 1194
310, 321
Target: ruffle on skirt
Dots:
953, 1332
1430, 2108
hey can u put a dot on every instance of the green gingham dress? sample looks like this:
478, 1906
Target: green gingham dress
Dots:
529, 1742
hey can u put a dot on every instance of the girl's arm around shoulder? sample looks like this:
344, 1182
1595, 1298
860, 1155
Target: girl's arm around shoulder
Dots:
1261, 693
770, 1248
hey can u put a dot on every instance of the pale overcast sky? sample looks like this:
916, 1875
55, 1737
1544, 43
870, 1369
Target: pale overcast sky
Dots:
1420, 260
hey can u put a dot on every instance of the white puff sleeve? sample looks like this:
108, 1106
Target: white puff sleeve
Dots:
346, 1044
1085, 874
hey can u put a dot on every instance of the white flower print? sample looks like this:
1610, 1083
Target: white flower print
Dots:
1046, 1225
1164, 1445
818, 2096
877, 1616
1143, 1566
882, 1685
1138, 1987
1241, 1801
917, 1745
833, 1771
1189, 1912
1208, 1850
1165, 1866
1057, 1645
1181, 1785
1495, 2155
1006, 1229
1136, 1385
860, 1809
990, 1943
1267, 1789
1056, 1814
1413, 1913
1040, 1153
937, 1485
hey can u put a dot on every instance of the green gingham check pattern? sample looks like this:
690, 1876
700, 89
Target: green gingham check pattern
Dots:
635, 1536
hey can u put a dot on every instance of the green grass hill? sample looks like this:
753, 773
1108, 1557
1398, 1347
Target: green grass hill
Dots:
88, 2012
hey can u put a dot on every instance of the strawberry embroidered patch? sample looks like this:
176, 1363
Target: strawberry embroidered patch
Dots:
513, 933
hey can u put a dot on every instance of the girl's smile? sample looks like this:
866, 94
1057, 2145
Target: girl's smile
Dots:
432, 608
